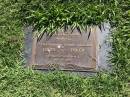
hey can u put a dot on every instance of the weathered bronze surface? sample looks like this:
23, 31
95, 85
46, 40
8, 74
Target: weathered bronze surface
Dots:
65, 51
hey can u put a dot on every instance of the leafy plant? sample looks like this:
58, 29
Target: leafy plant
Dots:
76, 14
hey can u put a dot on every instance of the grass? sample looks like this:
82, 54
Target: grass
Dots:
16, 81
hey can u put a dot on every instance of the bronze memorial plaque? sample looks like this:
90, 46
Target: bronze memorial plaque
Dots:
65, 51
